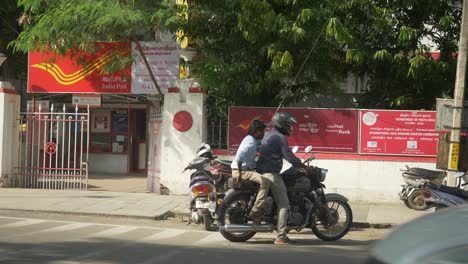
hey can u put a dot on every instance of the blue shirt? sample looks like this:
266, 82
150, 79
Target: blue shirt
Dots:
273, 150
246, 153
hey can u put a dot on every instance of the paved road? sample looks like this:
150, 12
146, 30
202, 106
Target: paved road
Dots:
42, 238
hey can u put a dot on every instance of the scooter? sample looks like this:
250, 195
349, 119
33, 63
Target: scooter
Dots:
442, 196
410, 193
207, 186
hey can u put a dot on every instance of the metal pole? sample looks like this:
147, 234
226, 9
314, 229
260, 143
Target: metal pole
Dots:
458, 97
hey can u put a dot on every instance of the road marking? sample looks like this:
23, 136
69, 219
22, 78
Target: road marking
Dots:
216, 237
161, 258
22, 223
168, 233
114, 231
67, 227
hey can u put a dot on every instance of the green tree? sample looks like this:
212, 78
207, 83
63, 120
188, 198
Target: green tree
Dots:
75, 25
250, 51
388, 42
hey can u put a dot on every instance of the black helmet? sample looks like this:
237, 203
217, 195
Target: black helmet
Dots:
283, 122
256, 125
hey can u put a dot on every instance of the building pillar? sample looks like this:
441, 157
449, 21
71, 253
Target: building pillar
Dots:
183, 131
10, 104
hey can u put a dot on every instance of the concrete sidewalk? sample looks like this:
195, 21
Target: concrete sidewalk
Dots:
148, 205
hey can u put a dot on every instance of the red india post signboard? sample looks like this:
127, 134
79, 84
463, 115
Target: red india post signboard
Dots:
398, 132
50, 73
327, 130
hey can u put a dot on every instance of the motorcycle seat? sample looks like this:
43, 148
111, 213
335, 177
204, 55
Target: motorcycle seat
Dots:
454, 190
425, 173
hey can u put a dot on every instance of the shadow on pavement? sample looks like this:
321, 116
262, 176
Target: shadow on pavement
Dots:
121, 251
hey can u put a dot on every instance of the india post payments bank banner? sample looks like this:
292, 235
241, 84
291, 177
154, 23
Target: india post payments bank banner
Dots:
81, 72
378, 132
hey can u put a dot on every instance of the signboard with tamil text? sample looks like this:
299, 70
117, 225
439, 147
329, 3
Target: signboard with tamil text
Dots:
398, 132
80, 72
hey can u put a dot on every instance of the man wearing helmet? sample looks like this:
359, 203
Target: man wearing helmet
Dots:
273, 150
243, 166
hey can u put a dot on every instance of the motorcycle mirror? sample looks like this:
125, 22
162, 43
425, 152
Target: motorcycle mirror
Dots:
308, 149
295, 149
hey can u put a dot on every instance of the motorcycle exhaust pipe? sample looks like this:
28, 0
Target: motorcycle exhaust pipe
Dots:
247, 228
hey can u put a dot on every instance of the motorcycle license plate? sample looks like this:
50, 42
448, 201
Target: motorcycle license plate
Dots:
206, 205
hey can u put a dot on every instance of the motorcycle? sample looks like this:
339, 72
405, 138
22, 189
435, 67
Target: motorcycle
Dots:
442, 196
328, 215
410, 193
207, 186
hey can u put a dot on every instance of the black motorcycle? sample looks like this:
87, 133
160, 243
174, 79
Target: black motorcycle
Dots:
328, 215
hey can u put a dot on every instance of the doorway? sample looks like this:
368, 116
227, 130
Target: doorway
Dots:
138, 142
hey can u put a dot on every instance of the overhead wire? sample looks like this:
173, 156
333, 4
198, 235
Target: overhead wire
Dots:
307, 57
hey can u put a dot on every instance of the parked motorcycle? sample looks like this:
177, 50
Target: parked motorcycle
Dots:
207, 185
442, 196
328, 215
410, 193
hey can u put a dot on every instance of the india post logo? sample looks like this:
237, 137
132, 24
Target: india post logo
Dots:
244, 125
69, 79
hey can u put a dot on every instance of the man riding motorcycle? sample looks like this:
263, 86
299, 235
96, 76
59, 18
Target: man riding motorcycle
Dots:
273, 149
243, 166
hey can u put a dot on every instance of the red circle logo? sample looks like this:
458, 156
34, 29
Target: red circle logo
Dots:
51, 148
182, 121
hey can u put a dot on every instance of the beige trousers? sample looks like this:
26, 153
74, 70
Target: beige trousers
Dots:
265, 184
280, 194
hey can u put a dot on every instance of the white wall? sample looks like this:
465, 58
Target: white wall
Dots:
361, 180
9, 111
178, 148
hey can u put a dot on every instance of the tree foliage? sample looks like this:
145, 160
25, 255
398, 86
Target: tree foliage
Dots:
250, 51
71, 26
390, 41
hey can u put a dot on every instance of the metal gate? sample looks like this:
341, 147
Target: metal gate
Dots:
52, 149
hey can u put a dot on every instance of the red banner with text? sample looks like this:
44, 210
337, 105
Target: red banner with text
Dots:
327, 130
398, 132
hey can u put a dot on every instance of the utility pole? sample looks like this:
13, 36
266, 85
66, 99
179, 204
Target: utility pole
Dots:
459, 94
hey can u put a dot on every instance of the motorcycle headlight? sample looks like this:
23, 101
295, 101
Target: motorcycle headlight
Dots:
202, 188
323, 174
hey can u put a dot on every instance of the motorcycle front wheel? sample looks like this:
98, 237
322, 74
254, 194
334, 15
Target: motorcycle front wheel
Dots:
339, 225
234, 211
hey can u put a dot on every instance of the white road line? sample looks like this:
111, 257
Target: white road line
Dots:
166, 234
67, 227
23, 223
160, 258
114, 231
216, 237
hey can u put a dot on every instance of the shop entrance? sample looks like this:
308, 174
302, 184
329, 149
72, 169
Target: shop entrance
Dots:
138, 141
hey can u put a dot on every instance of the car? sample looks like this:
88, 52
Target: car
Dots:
440, 237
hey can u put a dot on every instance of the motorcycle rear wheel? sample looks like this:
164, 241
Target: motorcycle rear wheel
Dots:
325, 232
207, 221
416, 201
233, 211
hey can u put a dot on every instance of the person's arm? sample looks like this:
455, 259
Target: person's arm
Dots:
240, 155
289, 155
239, 169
